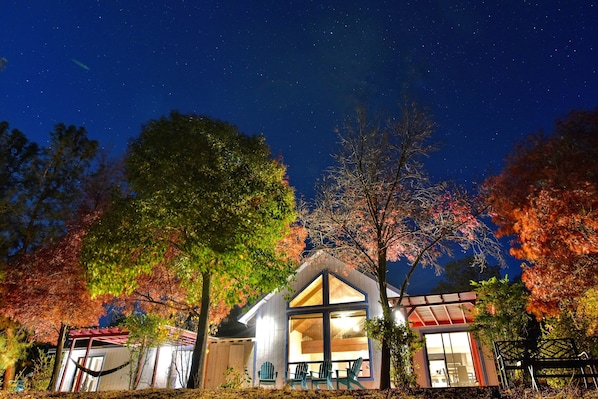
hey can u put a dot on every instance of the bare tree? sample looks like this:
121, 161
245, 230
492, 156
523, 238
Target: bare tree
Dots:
377, 205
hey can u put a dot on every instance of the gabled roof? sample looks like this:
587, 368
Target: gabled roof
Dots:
250, 314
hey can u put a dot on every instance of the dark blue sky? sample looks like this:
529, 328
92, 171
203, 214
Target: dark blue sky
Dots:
490, 72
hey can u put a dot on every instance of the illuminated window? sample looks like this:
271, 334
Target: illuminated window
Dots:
347, 334
450, 359
312, 295
306, 338
341, 292
327, 322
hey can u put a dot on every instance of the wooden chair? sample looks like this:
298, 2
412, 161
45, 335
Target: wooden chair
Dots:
267, 375
352, 375
324, 375
299, 377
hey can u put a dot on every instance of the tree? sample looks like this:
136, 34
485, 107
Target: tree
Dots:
40, 191
209, 207
377, 206
459, 274
146, 331
17, 155
577, 323
499, 311
46, 292
403, 342
546, 198
49, 189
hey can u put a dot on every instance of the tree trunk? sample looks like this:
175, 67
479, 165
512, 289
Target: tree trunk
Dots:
386, 315
140, 363
199, 351
385, 366
58, 357
9, 372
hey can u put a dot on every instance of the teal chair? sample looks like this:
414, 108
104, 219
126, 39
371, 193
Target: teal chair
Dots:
352, 375
299, 377
323, 376
267, 375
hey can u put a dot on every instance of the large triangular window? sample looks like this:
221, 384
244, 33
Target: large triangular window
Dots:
341, 292
327, 289
327, 322
312, 295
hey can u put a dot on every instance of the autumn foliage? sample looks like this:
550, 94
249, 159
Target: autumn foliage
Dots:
47, 288
377, 208
208, 227
546, 198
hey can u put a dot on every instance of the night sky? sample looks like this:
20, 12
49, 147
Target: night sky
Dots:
489, 72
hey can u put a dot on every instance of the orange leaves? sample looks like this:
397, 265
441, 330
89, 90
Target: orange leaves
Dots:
292, 244
547, 198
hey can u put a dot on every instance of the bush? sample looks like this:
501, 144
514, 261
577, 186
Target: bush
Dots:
403, 343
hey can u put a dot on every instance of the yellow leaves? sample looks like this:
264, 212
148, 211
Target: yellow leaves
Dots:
587, 310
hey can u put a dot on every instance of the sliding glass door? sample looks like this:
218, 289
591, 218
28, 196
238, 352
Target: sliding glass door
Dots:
451, 359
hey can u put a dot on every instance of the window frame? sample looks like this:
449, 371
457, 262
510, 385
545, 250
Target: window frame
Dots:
325, 309
474, 352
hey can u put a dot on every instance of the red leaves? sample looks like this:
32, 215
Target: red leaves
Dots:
47, 288
547, 198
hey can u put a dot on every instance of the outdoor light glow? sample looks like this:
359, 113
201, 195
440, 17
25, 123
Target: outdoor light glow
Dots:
399, 318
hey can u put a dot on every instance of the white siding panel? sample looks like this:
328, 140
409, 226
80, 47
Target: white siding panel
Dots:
163, 370
115, 357
271, 335
173, 364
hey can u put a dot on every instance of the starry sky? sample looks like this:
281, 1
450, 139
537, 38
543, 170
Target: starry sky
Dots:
490, 72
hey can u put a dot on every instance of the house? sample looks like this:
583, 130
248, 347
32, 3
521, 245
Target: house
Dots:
321, 317
98, 359
451, 356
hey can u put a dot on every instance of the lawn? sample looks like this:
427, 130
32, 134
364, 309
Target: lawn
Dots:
256, 393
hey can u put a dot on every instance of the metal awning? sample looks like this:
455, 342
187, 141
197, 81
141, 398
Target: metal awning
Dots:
438, 309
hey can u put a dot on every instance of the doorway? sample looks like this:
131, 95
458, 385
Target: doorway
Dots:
450, 359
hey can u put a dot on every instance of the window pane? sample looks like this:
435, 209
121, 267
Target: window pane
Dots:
306, 333
341, 292
348, 338
84, 382
449, 359
310, 296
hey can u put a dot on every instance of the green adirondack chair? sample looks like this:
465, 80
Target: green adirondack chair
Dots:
267, 375
323, 376
352, 375
299, 377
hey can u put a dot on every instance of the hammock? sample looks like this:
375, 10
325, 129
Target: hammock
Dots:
94, 373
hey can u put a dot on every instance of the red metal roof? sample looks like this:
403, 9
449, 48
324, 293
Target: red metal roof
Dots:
119, 335
438, 309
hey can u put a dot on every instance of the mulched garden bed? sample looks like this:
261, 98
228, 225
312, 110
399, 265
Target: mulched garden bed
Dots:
257, 393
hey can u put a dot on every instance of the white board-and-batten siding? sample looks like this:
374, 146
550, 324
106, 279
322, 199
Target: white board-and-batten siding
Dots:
167, 374
112, 357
